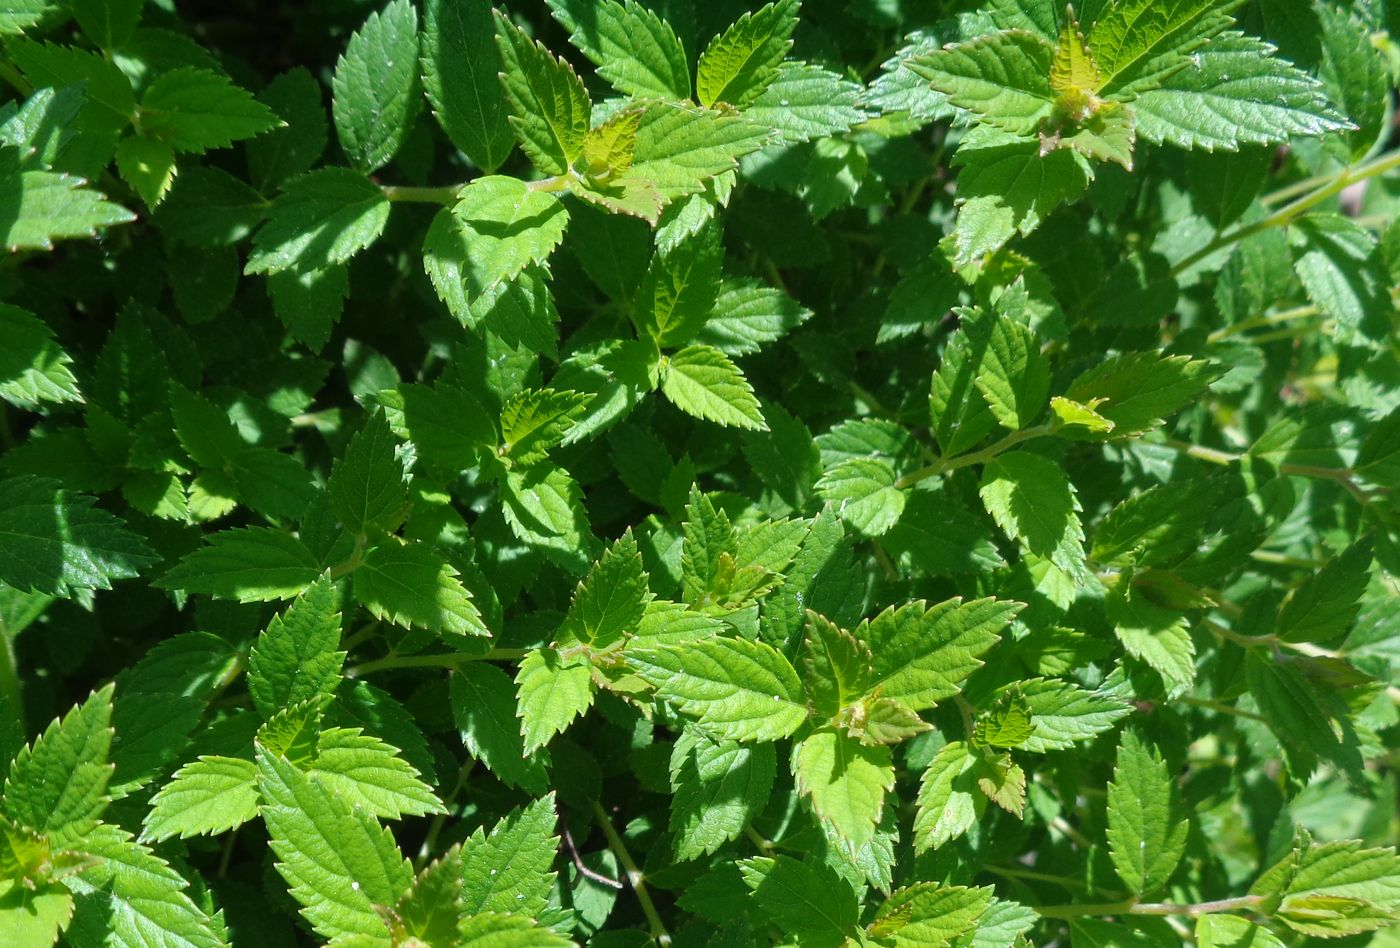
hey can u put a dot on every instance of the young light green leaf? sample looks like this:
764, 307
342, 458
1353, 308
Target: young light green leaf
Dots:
297, 658
742, 62
536, 420
508, 870
136, 897
1138, 43
737, 689
33, 368
322, 218
549, 105
338, 861
194, 110
847, 782
205, 797
702, 381
250, 564
1146, 830
717, 788
369, 774
552, 691
57, 785
376, 86
680, 148
609, 603
1339, 888
1003, 78
413, 585
460, 78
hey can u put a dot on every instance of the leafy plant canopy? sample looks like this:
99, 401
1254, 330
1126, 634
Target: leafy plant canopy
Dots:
661, 472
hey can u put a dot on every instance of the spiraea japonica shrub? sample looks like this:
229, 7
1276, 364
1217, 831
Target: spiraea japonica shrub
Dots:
677, 472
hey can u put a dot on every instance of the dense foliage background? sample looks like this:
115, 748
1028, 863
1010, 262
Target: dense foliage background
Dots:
881, 473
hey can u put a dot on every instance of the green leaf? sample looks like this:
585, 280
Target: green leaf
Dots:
535, 420
57, 785
552, 691
210, 208
1343, 273
1354, 76
702, 381
1153, 634
376, 86
923, 653
737, 689
1338, 888
1012, 375
1032, 500
133, 897
930, 915
544, 507
38, 207
205, 797
108, 23
1063, 713
194, 110
40, 916
864, 492
718, 788
960, 418
283, 153
679, 290
948, 798
1236, 92
17, 15
609, 603
1002, 171
1146, 830
1322, 609
322, 218
367, 486
460, 78
1141, 389
483, 708
297, 658
805, 101
370, 775
497, 930
748, 315
1309, 721
635, 50
508, 869
250, 564
337, 860
431, 909
1139, 43
1003, 78
148, 166
739, 64
1231, 931
414, 586
56, 541
548, 103
447, 424
498, 227
33, 368
679, 148
846, 781
806, 899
